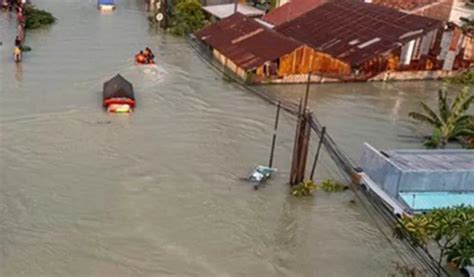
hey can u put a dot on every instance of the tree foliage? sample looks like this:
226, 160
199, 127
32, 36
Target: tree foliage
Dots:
451, 229
188, 17
451, 120
466, 78
36, 18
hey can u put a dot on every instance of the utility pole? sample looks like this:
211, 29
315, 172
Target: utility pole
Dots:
302, 136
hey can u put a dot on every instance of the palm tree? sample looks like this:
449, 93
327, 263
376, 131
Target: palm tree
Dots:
451, 122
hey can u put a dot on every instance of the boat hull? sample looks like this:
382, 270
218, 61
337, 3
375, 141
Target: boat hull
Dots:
106, 7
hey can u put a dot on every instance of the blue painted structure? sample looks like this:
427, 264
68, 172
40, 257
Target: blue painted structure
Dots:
106, 2
421, 171
425, 201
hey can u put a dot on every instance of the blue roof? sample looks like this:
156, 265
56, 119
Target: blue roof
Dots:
425, 201
106, 2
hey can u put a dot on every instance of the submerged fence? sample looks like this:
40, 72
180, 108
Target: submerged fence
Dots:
383, 218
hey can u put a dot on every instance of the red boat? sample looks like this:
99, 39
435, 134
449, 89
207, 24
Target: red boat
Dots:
118, 95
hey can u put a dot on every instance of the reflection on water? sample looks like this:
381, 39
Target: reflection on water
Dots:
159, 192
19, 72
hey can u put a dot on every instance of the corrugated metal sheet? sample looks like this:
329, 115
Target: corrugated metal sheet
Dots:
291, 10
226, 10
432, 160
406, 5
355, 32
246, 42
425, 201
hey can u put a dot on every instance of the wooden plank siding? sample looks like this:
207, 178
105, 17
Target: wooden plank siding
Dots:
305, 59
230, 65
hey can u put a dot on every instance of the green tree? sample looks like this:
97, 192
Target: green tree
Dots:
451, 230
36, 18
451, 121
188, 17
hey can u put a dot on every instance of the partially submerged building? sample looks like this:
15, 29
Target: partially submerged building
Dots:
349, 41
248, 48
380, 43
414, 181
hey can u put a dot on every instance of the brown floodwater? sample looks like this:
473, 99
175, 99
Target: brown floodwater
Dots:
160, 192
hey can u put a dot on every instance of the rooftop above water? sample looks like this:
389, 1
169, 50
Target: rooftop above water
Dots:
428, 160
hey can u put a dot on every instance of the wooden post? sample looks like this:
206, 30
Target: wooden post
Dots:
294, 163
303, 148
316, 157
300, 150
236, 5
308, 84
270, 163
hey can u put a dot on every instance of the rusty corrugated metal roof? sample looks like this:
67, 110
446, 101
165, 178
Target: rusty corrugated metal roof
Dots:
291, 10
354, 31
407, 5
246, 42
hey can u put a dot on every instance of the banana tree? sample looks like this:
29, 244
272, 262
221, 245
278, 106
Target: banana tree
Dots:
451, 121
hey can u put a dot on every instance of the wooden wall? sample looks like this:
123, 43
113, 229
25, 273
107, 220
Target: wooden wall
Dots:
230, 65
305, 59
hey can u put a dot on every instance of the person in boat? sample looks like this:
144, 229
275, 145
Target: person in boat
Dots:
148, 56
140, 57
17, 54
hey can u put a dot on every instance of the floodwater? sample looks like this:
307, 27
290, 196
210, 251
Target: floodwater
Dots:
160, 192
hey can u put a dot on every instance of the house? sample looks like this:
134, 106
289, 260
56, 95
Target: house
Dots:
437, 9
291, 10
379, 43
218, 12
253, 51
413, 181
348, 40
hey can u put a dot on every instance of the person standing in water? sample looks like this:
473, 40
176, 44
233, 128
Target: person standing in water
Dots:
17, 54
17, 42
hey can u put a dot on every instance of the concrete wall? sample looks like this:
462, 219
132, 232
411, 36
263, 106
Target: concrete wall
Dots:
393, 180
428, 181
383, 172
413, 75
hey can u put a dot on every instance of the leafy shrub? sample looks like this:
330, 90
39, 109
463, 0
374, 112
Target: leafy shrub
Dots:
36, 18
332, 186
307, 187
188, 17
451, 230
304, 188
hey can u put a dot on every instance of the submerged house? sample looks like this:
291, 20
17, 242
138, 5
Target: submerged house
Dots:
248, 48
379, 43
415, 181
346, 41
